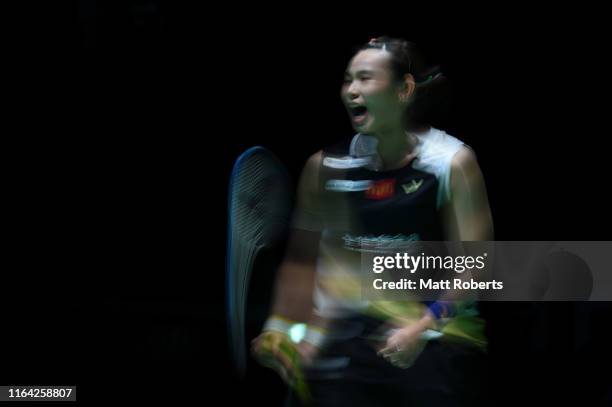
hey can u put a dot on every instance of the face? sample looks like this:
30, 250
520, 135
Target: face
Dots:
371, 94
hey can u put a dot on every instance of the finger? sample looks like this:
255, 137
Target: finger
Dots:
400, 356
275, 341
393, 359
268, 350
264, 343
387, 350
256, 346
387, 353
391, 348
275, 364
283, 358
292, 372
410, 358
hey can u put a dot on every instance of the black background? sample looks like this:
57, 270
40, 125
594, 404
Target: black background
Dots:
130, 114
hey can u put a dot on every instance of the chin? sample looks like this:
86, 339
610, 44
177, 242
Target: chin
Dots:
365, 128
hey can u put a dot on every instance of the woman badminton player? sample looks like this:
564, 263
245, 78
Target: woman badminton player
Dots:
397, 180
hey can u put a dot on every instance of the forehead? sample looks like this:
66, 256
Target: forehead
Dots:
369, 60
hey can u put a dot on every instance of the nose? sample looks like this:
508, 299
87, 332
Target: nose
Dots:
352, 91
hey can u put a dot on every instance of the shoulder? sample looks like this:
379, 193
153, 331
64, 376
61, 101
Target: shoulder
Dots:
435, 151
450, 151
465, 174
309, 178
464, 160
315, 160
312, 166
436, 141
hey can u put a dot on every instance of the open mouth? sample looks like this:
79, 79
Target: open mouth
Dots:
359, 114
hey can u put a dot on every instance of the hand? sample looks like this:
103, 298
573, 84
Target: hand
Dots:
275, 350
308, 352
404, 345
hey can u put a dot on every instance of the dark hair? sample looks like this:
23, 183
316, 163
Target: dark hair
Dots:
432, 93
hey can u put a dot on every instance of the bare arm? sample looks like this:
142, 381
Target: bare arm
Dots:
467, 215
296, 275
295, 281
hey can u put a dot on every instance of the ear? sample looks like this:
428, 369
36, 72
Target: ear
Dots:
407, 88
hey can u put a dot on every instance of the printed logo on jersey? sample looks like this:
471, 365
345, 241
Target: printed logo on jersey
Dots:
412, 186
340, 185
346, 162
382, 243
382, 189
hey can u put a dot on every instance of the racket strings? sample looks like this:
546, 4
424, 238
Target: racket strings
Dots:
262, 197
259, 212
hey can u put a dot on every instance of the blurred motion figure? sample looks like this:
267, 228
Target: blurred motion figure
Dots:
397, 181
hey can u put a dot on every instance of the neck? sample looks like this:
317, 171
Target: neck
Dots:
396, 146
